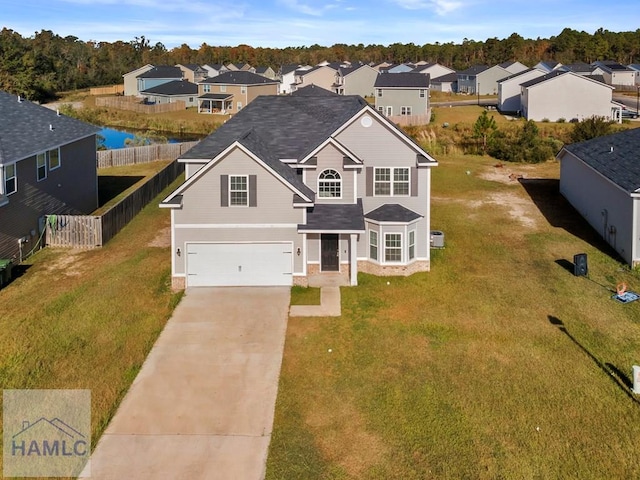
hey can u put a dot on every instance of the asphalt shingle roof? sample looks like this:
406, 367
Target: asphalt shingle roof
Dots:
336, 217
614, 156
393, 212
25, 131
290, 126
474, 70
449, 77
544, 78
402, 80
239, 77
174, 87
313, 91
162, 71
514, 75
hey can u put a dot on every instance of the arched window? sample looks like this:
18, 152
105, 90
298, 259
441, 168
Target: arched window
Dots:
330, 184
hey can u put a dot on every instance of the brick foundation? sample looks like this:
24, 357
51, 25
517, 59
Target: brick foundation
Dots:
178, 283
393, 270
300, 281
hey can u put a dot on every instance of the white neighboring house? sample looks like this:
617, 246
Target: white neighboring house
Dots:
214, 69
509, 89
566, 95
636, 70
514, 67
601, 179
445, 83
547, 66
434, 70
615, 73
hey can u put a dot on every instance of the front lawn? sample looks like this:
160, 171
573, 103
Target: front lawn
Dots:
86, 319
499, 363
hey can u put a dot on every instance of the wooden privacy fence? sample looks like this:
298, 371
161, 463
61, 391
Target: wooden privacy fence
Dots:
111, 90
134, 105
89, 231
148, 153
79, 231
404, 120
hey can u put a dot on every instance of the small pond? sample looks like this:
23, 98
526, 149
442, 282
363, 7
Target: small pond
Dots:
113, 138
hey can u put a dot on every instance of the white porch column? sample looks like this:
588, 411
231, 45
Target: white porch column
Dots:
353, 263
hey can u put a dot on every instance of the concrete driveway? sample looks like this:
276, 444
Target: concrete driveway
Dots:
202, 405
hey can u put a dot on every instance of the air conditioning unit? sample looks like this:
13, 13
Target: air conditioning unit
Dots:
437, 239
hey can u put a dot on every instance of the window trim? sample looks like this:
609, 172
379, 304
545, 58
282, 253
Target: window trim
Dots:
49, 159
411, 245
246, 190
6, 179
379, 92
391, 182
206, 88
400, 261
373, 233
337, 180
243, 89
41, 156
223, 89
405, 110
422, 93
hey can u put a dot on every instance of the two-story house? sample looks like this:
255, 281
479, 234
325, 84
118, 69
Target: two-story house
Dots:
402, 94
192, 72
481, 79
157, 76
356, 80
322, 75
230, 92
47, 166
296, 186
509, 90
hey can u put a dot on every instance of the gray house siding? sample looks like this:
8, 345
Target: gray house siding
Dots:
607, 208
69, 189
202, 200
399, 97
360, 82
332, 158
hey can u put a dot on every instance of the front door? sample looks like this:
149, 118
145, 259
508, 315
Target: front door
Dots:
329, 253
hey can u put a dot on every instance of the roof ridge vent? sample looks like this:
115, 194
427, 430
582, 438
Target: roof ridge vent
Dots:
19, 99
611, 149
51, 127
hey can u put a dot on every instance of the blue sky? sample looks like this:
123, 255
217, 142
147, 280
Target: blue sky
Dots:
281, 23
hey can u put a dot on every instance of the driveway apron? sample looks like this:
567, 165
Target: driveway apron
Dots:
203, 402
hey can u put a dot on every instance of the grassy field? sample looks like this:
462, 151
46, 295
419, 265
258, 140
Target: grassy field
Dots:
87, 319
497, 364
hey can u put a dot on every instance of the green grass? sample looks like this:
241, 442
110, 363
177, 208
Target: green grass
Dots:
305, 296
499, 363
87, 319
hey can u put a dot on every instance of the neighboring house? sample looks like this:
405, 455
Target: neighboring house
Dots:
266, 72
192, 72
481, 79
569, 96
382, 66
239, 67
434, 70
514, 67
323, 76
287, 77
616, 74
47, 166
581, 68
171, 92
636, 70
131, 80
230, 92
157, 76
601, 179
547, 66
298, 186
214, 69
509, 91
356, 80
402, 94
445, 83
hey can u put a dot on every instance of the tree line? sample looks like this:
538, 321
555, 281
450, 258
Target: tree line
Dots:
38, 67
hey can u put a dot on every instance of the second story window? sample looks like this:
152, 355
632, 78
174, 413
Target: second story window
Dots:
391, 181
41, 166
10, 182
379, 92
330, 184
206, 88
223, 88
238, 190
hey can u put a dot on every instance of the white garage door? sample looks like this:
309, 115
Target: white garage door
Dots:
244, 264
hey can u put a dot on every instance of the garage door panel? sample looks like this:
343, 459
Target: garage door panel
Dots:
225, 264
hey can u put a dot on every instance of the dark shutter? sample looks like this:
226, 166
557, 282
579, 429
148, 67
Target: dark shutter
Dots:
369, 188
414, 182
253, 191
224, 190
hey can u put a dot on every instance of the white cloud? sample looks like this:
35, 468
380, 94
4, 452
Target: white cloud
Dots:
441, 7
307, 9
